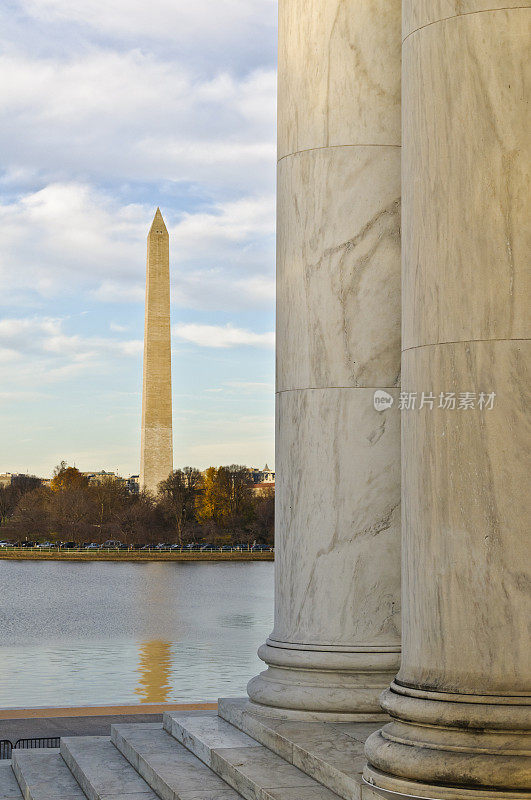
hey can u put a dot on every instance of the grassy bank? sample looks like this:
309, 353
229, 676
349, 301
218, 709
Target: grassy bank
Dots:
28, 554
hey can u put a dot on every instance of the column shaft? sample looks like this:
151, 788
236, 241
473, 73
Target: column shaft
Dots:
460, 700
336, 639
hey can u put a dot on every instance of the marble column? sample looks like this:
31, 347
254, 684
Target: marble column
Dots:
460, 702
336, 638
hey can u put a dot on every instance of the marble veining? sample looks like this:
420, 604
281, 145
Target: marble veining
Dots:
466, 153
338, 268
337, 532
336, 638
463, 476
339, 73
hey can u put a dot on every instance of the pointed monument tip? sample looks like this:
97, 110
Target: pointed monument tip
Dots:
158, 223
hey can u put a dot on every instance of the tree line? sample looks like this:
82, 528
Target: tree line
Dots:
218, 506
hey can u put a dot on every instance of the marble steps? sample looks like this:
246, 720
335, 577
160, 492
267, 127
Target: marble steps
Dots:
172, 771
43, 775
250, 768
9, 788
331, 753
102, 771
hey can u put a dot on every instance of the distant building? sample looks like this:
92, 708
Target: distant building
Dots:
132, 484
19, 479
101, 477
268, 476
264, 475
260, 488
264, 479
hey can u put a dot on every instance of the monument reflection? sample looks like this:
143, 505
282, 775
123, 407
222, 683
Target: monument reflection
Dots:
155, 662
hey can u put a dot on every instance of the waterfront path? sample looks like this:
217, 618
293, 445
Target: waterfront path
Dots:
55, 554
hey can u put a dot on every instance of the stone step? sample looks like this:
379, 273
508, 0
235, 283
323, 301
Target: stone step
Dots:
249, 767
171, 770
331, 753
9, 788
102, 772
43, 775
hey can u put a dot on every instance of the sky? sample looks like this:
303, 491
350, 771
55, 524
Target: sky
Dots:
108, 109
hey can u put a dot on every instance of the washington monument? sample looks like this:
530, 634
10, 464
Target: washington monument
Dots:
156, 456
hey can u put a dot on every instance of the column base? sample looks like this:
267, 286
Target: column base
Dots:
332, 684
444, 746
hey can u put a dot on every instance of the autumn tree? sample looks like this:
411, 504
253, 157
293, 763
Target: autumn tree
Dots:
31, 518
214, 501
219, 505
241, 494
10, 495
177, 496
70, 513
226, 500
65, 477
264, 515
141, 520
107, 499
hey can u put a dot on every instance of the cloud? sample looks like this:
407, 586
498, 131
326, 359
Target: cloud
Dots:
241, 220
222, 336
64, 236
134, 116
236, 30
71, 236
39, 349
108, 109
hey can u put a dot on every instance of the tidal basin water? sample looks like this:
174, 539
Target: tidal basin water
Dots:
96, 633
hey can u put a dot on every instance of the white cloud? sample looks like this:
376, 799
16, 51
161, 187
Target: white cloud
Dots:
68, 236
38, 349
108, 108
202, 20
133, 116
238, 221
222, 336
65, 236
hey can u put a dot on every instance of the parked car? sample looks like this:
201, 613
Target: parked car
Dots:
45, 545
114, 544
93, 546
28, 544
68, 545
6, 544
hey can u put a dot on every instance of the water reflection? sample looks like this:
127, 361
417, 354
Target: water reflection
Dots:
102, 633
155, 661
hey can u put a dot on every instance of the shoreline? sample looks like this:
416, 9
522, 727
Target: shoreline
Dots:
22, 554
57, 722
44, 712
